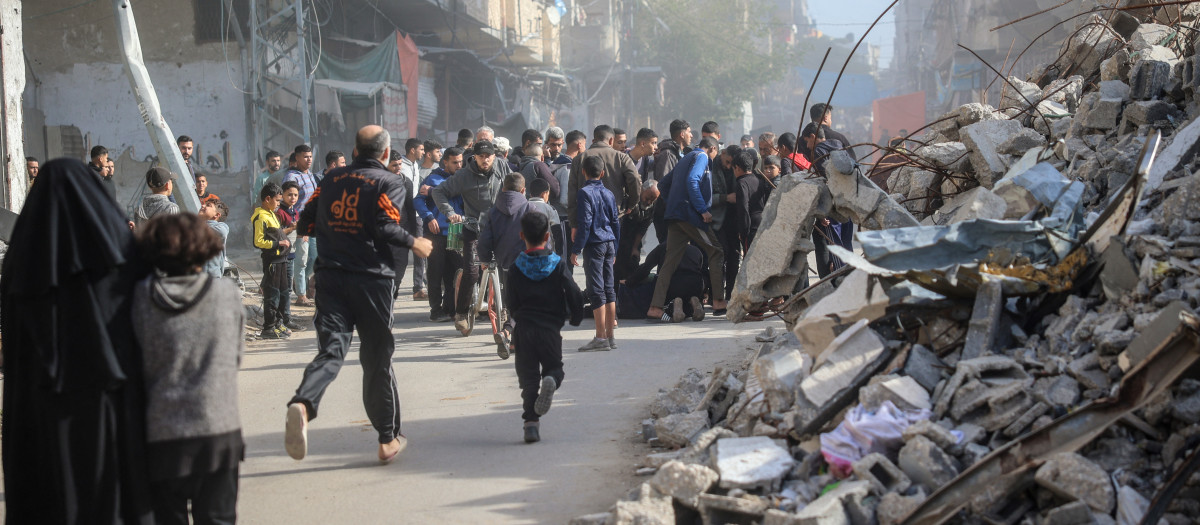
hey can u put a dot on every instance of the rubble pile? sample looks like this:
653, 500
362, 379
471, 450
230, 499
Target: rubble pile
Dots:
1013, 343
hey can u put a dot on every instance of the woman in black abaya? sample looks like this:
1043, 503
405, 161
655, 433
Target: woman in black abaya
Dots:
73, 413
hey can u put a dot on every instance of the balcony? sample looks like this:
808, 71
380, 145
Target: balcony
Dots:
503, 32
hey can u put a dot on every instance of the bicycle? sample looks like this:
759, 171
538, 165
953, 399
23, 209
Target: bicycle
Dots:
490, 302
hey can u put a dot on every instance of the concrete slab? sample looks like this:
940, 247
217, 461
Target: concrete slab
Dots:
752, 462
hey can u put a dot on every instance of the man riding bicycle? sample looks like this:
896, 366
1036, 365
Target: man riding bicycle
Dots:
478, 182
500, 240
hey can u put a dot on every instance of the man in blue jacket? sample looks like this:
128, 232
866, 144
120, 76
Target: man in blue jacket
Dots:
443, 263
688, 192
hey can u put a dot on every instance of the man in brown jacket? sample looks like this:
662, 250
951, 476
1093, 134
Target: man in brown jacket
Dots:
620, 175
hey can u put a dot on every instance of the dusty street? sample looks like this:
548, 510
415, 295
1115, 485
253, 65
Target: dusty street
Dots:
465, 462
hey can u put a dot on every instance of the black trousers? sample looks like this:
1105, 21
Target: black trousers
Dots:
277, 291
733, 256
213, 497
347, 302
443, 264
470, 265
538, 354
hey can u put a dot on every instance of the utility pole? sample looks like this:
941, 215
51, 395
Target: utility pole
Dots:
147, 99
12, 69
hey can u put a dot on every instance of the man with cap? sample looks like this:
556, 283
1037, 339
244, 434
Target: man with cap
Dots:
478, 182
161, 183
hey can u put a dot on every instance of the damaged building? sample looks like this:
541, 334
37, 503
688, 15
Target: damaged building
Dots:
1013, 339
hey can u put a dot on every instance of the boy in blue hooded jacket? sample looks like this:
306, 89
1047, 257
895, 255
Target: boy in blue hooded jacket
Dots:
540, 294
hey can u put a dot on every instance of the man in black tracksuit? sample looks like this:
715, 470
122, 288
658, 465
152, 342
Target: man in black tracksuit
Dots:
360, 216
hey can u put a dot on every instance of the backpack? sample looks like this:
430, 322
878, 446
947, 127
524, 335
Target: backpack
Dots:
562, 172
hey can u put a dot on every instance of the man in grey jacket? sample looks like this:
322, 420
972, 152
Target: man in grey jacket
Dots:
478, 183
620, 175
161, 183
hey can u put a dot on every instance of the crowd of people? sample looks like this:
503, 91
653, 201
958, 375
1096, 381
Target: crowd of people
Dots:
164, 329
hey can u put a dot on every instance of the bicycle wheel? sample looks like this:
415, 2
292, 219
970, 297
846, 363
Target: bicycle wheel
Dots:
495, 315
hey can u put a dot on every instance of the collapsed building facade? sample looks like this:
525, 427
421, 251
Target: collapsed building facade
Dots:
1014, 340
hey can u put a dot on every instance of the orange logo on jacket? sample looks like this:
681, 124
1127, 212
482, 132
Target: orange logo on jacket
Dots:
346, 208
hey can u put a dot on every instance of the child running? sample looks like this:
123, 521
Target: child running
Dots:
539, 295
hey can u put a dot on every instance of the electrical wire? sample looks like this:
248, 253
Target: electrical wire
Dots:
225, 47
320, 41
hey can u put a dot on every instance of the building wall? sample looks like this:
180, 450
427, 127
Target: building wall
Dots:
80, 78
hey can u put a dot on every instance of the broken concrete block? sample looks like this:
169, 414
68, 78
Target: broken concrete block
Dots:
924, 366
1086, 370
1017, 93
777, 259
985, 320
1115, 67
859, 199
1058, 390
658, 459
926, 464
1075, 478
934, 432
1143, 112
1075, 513
974, 112
975, 203
649, 509
1119, 275
1114, 89
830, 508
684, 482
893, 507
860, 296
1017, 427
718, 510
1023, 141
1148, 79
1186, 404
991, 407
1182, 150
779, 374
949, 155
677, 430
1149, 35
989, 371
1159, 54
752, 462
883, 475
904, 392
1065, 91
1103, 113
1093, 43
837, 367
983, 139
683, 398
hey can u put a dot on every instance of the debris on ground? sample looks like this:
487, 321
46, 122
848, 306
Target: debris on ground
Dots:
1012, 339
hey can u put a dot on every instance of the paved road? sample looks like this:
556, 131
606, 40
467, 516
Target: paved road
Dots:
466, 462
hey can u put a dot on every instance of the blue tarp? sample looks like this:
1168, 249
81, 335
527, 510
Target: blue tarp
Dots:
852, 91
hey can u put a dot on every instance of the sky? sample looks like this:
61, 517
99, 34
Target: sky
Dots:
836, 18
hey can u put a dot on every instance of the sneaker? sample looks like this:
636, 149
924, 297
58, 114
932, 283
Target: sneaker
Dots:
460, 323
595, 345
295, 327
284, 332
697, 309
612, 342
389, 451
502, 344
531, 432
677, 310
545, 396
295, 436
